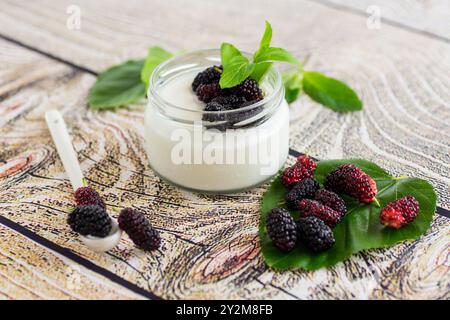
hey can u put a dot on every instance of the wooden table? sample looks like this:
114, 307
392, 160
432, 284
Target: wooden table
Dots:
210, 243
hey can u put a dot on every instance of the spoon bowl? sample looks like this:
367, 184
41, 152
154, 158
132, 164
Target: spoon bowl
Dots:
104, 244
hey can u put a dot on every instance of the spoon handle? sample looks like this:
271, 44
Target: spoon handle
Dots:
61, 138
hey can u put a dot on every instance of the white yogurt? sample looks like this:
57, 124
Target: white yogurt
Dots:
188, 155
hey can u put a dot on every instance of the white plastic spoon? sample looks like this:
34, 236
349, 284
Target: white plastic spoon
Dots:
61, 138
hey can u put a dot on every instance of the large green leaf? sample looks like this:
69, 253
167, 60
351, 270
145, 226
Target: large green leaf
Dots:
360, 229
118, 86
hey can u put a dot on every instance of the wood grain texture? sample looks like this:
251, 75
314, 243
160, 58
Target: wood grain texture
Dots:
424, 15
210, 245
27, 271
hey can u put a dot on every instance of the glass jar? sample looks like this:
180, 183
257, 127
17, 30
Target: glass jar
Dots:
213, 151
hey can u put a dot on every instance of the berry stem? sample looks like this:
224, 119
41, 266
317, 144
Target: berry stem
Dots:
377, 203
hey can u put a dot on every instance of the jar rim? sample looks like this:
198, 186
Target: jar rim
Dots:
153, 93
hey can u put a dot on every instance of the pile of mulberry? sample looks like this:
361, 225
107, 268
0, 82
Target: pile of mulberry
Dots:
282, 229
304, 189
139, 229
90, 220
302, 169
315, 234
88, 196
332, 200
206, 87
314, 208
400, 212
351, 180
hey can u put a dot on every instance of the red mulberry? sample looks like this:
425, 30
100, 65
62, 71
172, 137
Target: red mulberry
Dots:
352, 181
400, 212
302, 169
309, 208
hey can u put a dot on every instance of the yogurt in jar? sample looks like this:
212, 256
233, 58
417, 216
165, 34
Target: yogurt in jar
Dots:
189, 153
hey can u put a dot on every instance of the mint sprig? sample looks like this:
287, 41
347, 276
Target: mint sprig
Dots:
329, 92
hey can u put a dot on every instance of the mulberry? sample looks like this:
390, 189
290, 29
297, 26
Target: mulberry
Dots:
207, 92
248, 89
139, 229
315, 234
282, 229
332, 200
400, 212
351, 180
207, 76
90, 220
85, 196
230, 102
309, 208
304, 189
302, 169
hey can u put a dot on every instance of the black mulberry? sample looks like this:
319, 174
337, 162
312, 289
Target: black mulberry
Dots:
304, 189
282, 229
207, 92
248, 89
90, 220
207, 76
139, 229
315, 234
230, 102
213, 107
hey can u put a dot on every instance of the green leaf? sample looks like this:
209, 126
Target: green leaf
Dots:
275, 54
330, 92
260, 71
228, 52
292, 85
236, 71
156, 55
360, 229
267, 36
118, 86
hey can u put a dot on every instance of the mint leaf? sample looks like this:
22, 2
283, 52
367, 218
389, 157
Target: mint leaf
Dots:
235, 71
292, 85
156, 55
266, 38
260, 71
118, 86
228, 52
275, 54
330, 92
